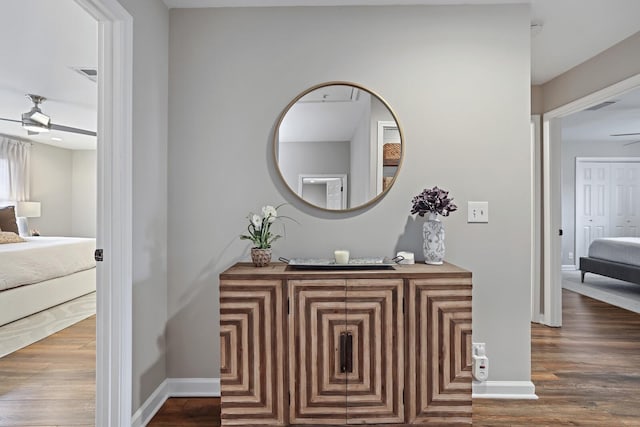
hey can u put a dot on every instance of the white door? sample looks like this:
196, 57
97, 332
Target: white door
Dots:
625, 191
592, 204
334, 194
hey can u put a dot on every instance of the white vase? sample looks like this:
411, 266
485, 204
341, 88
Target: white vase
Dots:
433, 245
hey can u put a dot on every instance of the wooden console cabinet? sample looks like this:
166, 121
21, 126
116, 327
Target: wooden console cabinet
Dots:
341, 347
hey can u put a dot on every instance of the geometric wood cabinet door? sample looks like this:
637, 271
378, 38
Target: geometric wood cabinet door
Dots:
440, 331
345, 347
346, 360
252, 352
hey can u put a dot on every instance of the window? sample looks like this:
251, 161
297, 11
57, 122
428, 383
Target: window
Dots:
14, 169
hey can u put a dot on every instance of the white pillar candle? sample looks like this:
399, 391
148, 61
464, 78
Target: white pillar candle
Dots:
341, 256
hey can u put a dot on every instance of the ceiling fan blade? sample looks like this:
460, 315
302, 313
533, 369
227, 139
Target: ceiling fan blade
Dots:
11, 120
72, 129
626, 134
631, 143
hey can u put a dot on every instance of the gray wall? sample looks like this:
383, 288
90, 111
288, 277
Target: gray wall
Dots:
83, 193
51, 172
150, 86
571, 150
64, 182
459, 80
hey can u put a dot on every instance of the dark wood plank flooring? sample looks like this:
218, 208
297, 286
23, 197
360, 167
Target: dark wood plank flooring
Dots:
587, 373
51, 382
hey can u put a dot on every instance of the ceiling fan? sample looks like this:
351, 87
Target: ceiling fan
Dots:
35, 121
628, 134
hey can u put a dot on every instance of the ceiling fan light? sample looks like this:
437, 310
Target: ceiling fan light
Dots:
41, 118
34, 127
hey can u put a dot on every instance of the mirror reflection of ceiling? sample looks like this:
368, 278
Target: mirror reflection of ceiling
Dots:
330, 146
331, 113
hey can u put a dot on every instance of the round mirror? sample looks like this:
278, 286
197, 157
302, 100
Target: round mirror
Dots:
338, 146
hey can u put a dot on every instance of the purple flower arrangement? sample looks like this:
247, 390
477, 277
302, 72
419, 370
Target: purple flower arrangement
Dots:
434, 200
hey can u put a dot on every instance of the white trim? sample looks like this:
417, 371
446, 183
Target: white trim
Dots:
194, 387
595, 98
607, 159
524, 390
569, 267
551, 266
151, 406
114, 219
536, 221
552, 222
379, 156
181, 4
174, 387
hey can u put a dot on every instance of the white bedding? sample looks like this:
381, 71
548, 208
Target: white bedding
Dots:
625, 250
44, 258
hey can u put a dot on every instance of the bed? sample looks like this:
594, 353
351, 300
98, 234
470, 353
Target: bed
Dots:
42, 272
615, 257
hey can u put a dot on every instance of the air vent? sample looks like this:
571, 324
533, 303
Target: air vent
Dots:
88, 72
599, 106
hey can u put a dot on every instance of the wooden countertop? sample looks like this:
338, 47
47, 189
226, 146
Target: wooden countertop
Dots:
279, 270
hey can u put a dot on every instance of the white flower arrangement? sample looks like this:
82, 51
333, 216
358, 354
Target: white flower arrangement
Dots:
259, 229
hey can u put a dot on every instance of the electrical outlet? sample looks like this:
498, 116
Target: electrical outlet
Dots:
479, 362
477, 211
570, 256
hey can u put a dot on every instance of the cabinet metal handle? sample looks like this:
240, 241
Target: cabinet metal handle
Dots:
346, 352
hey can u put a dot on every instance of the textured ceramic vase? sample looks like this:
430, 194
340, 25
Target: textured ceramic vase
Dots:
261, 257
433, 245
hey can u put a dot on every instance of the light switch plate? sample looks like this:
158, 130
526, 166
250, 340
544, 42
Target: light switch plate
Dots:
478, 212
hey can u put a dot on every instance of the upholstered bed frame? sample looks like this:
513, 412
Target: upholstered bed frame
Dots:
616, 270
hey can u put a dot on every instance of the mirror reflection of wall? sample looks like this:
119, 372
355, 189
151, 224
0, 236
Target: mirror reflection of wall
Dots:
334, 130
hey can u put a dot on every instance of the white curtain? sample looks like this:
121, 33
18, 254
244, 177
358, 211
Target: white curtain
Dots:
15, 169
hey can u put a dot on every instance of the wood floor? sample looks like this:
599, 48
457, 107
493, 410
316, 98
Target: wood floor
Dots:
51, 382
586, 373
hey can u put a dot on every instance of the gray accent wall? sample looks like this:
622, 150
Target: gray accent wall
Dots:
459, 79
150, 98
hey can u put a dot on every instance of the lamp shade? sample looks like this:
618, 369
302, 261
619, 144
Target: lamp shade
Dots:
28, 209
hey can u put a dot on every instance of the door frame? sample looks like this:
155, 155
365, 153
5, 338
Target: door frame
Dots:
536, 235
114, 277
552, 210
328, 176
379, 154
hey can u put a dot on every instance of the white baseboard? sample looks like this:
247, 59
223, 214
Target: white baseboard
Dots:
504, 390
174, 387
194, 387
569, 267
210, 387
